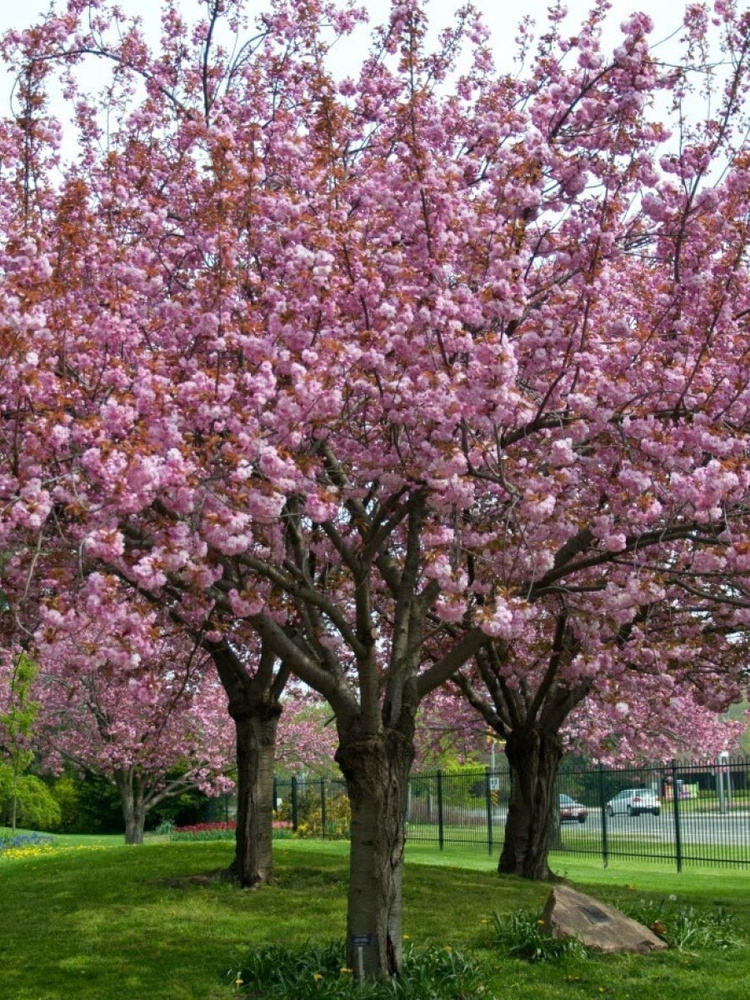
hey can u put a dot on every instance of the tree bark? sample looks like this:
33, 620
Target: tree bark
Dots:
256, 750
133, 807
376, 769
534, 756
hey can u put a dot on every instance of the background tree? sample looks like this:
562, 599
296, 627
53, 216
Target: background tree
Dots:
18, 714
128, 702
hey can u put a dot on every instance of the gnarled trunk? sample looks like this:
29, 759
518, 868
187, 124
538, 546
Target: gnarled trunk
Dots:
376, 769
534, 756
256, 748
133, 807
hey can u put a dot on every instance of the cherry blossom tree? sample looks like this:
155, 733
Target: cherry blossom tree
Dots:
122, 699
162, 679
384, 374
623, 694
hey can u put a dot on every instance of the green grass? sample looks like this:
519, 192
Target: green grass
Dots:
100, 921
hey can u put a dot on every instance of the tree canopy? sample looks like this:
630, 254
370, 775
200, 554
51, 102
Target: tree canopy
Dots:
388, 372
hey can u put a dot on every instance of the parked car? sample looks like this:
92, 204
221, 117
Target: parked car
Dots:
572, 810
634, 801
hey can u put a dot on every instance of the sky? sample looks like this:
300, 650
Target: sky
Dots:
502, 17
500, 14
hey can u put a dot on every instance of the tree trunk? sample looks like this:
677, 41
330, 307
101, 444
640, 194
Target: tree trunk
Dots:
256, 751
255, 708
14, 805
534, 757
133, 809
376, 769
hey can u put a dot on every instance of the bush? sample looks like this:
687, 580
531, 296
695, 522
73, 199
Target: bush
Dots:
65, 792
35, 805
684, 927
522, 934
97, 809
319, 973
337, 819
309, 809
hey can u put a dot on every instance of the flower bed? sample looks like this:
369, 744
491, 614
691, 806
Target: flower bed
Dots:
13, 847
220, 831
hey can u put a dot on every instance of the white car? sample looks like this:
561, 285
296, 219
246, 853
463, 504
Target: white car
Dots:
634, 801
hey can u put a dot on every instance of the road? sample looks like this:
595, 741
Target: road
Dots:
727, 829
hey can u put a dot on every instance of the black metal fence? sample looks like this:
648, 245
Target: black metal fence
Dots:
679, 812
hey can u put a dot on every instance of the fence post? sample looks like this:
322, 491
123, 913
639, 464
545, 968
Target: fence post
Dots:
677, 825
295, 817
488, 800
323, 806
441, 837
603, 807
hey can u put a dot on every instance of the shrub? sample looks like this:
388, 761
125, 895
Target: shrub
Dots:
65, 792
319, 973
684, 927
35, 805
522, 934
337, 819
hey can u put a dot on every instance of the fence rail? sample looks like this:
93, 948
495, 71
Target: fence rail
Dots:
683, 812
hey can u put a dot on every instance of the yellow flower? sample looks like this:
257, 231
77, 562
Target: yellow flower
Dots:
406, 937
448, 948
239, 982
484, 920
345, 971
317, 977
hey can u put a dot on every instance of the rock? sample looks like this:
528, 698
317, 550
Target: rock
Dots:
571, 914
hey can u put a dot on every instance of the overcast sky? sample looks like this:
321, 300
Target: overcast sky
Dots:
501, 15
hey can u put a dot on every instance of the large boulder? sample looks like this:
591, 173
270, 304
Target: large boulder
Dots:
571, 914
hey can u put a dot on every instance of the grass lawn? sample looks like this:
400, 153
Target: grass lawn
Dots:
94, 920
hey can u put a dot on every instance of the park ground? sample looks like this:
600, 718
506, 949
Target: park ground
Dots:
91, 919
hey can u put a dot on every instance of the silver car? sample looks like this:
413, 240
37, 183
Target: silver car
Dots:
634, 801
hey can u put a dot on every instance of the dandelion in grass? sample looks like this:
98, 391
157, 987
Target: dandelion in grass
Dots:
346, 972
317, 977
